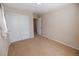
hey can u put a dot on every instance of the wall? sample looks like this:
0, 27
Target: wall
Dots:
21, 19
62, 25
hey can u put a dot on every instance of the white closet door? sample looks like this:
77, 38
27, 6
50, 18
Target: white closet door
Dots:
18, 26
23, 27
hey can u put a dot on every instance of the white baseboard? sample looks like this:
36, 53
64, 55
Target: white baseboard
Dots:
60, 42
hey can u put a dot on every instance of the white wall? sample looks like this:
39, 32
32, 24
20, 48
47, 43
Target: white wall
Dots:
62, 25
19, 24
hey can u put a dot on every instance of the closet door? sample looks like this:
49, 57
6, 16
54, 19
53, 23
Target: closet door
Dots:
23, 26
18, 26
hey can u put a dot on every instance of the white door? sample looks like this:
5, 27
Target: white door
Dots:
39, 26
18, 26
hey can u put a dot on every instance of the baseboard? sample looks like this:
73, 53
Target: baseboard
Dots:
60, 42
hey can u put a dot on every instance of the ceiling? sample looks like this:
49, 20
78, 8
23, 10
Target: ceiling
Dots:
34, 7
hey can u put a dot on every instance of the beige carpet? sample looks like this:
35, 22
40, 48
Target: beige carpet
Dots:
40, 46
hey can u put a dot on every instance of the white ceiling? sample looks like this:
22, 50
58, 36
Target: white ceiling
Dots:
38, 9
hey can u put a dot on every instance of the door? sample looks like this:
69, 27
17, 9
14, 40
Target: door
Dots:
18, 26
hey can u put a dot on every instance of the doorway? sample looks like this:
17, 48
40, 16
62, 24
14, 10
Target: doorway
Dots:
35, 26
